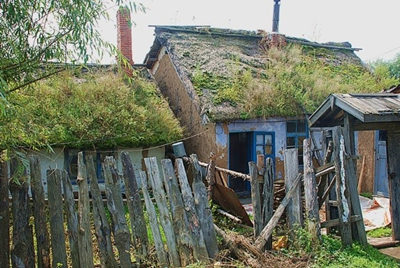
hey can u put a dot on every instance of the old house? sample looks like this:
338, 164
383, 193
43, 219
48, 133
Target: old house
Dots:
243, 93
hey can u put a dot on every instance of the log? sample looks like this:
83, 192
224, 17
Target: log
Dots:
268, 197
4, 217
55, 202
40, 214
72, 219
116, 207
135, 208
179, 218
267, 231
162, 204
199, 247
394, 181
310, 192
230, 216
155, 229
84, 234
229, 172
255, 199
203, 210
101, 225
294, 211
210, 177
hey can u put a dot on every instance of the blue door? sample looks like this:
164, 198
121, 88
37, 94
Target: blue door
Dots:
264, 143
381, 186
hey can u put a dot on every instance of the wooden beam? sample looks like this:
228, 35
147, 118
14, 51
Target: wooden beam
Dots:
326, 193
325, 169
229, 172
336, 222
393, 149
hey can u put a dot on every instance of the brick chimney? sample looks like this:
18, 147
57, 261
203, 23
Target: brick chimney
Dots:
124, 30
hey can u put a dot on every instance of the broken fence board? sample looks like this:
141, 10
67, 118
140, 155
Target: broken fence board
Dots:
55, 202
4, 217
154, 226
203, 210
40, 215
268, 197
199, 247
138, 224
162, 204
116, 207
255, 198
101, 224
394, 181
72, 219
294, 211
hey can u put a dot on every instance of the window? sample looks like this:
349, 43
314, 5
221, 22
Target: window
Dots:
296, 132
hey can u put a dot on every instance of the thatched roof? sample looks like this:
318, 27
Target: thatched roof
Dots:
222, 54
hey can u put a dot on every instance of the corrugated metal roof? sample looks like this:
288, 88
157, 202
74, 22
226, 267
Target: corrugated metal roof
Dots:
376, 104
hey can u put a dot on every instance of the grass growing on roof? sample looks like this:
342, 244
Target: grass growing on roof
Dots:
95, 109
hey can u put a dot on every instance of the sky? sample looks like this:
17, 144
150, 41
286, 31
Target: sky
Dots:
368, 24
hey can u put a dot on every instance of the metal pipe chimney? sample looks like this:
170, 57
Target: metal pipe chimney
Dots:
275, 20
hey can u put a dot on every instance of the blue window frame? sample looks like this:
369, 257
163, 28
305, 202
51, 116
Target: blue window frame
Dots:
296, 132
263, 143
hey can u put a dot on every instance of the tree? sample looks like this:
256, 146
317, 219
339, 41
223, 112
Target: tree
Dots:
392, 67
38, 37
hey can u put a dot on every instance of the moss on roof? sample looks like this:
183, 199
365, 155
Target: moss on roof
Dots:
97, 109
236, 77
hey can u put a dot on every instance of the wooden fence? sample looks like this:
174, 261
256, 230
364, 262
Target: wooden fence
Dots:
178, 219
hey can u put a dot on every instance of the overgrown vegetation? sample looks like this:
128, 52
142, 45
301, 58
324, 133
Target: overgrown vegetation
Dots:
294, 81
98, 109
391, 66
380, 232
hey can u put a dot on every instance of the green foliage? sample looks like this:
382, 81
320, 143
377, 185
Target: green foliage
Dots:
97, 109
380, 232
367, 195
392, 67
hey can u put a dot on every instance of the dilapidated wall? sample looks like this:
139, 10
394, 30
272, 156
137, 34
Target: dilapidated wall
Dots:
366, 151
183, 103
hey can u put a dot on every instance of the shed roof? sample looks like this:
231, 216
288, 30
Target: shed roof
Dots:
367, 108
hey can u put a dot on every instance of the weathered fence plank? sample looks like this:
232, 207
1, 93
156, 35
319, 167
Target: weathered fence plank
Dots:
310, 192
179, 218
56, 217
267, 231
255, 198
294, 211
72, 219
40, 215
199, 247
84, 234
203, 209
394, 181
138, 224
268, 197
210, 177
162, 204
4, 217
155, 229
101, 225
116, 207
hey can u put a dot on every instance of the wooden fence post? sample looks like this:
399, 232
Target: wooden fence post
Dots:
116, 207
342, 200
203, 210
210, 178
310, 192
394, 181
56, 217
155, 229
101, 225
268, 197
162, 204
294, 211
4, 217
72, 219
255, 198
40, 214
138, 224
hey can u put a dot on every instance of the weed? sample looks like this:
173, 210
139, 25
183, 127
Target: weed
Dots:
380, 232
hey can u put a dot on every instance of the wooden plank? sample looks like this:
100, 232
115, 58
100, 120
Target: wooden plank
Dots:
268, 197
294, 211
229, 172
155, 229
116, 207
179, 218
310, 192
351, 165
330, 186
40, 214
199, 247
343, 203
55, 202
72, 219
4, 217
203, 210
325, 169
255, 198
138, 224
101, 225
162, 204
210, 177
267, 231
393, 149
84, 234
336, 222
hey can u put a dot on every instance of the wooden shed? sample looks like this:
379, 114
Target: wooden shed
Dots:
357, 112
